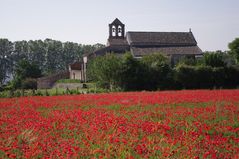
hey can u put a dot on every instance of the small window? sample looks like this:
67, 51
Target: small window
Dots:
119, 31
113, 31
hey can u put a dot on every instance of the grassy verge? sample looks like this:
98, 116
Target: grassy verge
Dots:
90, 88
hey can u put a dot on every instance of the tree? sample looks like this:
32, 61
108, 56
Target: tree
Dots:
187, 61
98, 46
53, 58
25, 70
105, 70
70, 53
234, 48
214, 59
21, 50
159, 71
37, 52
132, 74
6, 48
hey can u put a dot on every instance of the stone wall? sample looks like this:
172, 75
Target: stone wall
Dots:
48, 81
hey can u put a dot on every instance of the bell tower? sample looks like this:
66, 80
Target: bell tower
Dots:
116, 30
117, 34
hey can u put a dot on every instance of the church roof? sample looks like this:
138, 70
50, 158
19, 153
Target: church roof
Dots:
178, 50
161, 39
117, 41
117, 22
144, 43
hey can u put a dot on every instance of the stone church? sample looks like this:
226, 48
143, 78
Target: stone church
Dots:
172, 44
175, 45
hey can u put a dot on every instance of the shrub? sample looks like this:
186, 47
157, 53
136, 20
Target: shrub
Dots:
194, 77
204, 77
214, 59
158, 71
29, 83
219, 77
232, 76
186, 76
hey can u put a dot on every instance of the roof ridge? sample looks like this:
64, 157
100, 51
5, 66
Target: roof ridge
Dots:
156, 32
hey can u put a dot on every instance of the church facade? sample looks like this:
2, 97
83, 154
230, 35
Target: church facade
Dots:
174, 45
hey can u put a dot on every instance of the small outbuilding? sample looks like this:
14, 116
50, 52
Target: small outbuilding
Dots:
76, 70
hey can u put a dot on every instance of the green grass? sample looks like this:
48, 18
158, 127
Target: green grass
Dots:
51, 92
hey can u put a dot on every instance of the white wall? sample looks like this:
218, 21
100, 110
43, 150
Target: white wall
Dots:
77, 74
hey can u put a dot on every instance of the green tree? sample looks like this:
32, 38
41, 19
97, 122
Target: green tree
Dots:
186, 77
234, 48
70, 53
187, 61
21, 50
106, 70
159, 71
24, 69
98, 46
214, 59
53, 56
6, 48
37, 52
132, 75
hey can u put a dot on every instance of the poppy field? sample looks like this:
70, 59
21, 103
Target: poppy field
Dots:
167, 124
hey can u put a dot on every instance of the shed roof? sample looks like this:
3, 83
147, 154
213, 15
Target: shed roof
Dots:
76, 65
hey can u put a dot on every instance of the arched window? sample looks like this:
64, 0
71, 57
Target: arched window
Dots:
119, 30
113, 31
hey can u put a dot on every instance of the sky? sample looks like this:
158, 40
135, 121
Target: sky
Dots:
214, 23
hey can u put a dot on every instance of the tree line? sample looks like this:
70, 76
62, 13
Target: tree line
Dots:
155, 72
48, 55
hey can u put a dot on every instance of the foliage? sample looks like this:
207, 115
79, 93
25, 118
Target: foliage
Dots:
205, 77
106, 70
214, 59
155, 60
153, 72
234, 48
159, 74
29, 83
150, 73
24, 69
219, 77
186, 76
132, 74
50, 55
232, 76
187, 61
5, 61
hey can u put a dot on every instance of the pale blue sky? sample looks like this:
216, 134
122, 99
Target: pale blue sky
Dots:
214, 23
